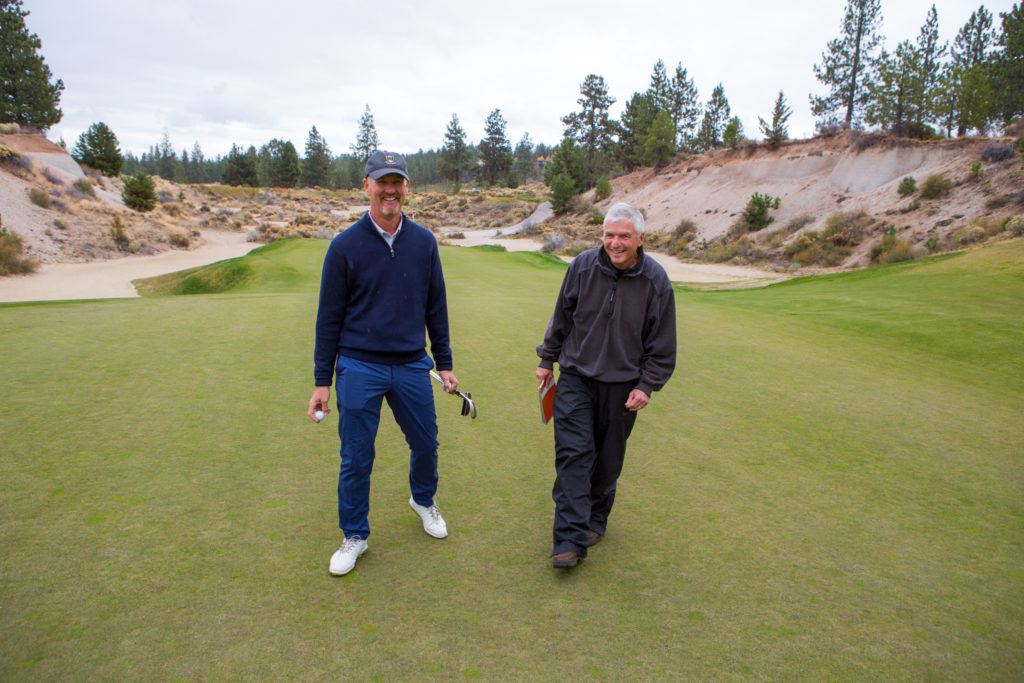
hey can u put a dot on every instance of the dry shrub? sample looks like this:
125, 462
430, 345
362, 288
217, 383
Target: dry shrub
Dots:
936, 186
1015, 225
998, 151
969, 235
84, 186
740, 252
892, 250
40, 197
12, 260
179, 240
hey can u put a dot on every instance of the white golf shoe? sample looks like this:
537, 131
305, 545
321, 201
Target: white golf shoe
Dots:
344, 558
433, 522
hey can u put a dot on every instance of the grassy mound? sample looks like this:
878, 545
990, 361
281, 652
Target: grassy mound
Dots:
829, 488
278, 266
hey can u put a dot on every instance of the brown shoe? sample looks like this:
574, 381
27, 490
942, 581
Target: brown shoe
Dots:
593, 539
565, 560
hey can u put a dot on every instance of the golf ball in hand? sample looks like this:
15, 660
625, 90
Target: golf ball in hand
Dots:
319, 415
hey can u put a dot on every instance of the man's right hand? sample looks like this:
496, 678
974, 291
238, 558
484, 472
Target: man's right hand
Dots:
544, 375
320, 400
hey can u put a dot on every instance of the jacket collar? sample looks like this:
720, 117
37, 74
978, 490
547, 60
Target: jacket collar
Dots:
632, 271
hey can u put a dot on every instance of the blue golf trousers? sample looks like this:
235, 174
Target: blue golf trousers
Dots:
360, 388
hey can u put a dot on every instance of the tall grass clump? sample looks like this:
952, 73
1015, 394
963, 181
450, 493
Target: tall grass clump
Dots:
84, 186
119, 235
40, 197
830, 246
892, 250
12, 259
1015, 225
936, 186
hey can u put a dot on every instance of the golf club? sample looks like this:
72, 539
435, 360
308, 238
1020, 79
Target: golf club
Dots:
468, 407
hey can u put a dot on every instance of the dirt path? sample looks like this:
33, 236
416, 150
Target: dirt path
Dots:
113, 279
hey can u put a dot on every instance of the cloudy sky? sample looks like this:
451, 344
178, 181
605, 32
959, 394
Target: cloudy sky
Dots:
247, 71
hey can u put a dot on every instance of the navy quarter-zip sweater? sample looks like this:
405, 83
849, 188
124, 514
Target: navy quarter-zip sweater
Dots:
377, 301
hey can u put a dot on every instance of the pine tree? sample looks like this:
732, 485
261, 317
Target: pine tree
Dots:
967, 80
278, 164
27, 97
195, 170
316, 167
897, 92
495, 149
732, 134
637, 119
524, 164
1008, 69
455, 160
679, 98
139, 192
567, 159
98, 148
778, 130
367, 141
848, 63
931, 53
591, 126
167, 159
716, 116
659, 143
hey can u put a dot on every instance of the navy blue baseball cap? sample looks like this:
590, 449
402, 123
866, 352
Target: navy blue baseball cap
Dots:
386, 163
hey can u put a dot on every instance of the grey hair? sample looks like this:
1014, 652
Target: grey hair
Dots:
624, 212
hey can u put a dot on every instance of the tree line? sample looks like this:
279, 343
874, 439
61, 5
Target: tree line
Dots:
922, 88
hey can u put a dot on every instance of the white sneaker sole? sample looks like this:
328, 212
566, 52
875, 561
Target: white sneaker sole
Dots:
342, 573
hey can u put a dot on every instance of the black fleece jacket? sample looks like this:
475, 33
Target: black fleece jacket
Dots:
612, 325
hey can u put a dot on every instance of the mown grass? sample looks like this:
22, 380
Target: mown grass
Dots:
830, 488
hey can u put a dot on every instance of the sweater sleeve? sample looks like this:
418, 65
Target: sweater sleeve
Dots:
659, 340
561, 320
330, 315
437, 315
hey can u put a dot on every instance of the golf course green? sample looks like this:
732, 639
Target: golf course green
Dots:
831, 487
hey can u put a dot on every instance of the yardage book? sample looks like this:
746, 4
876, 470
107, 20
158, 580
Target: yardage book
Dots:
546, 392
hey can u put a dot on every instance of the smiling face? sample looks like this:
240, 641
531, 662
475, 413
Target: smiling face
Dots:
387, 195
621, 244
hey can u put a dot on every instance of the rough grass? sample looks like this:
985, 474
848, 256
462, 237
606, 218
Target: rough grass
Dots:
830, 488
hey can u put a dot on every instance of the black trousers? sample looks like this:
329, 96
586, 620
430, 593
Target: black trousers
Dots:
591, 428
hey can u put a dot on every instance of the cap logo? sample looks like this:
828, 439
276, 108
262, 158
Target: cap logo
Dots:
389, 159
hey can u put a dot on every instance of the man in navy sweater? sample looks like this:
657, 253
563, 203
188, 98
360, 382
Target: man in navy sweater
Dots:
381, 288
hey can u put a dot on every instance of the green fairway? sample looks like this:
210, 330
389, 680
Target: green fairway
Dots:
831, 487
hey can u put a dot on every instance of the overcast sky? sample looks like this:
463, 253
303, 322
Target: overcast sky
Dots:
247, 71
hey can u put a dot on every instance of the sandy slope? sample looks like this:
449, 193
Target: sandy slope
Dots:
113, 278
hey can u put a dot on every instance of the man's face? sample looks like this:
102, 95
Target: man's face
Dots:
387, 194
621, 243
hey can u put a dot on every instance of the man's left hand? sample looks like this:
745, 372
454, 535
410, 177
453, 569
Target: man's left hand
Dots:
637, 400
450, 382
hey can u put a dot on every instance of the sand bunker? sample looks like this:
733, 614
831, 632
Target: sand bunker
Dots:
113, 279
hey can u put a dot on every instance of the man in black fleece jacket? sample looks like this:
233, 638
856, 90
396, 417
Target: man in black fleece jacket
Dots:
613, 335
381, 288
